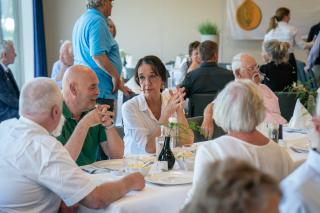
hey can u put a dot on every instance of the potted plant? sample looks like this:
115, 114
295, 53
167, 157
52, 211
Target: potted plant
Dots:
208, 31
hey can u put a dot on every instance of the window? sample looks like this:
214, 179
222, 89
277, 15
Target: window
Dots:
10, 31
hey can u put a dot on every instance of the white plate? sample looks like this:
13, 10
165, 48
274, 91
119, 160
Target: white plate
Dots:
114, 164
170, 178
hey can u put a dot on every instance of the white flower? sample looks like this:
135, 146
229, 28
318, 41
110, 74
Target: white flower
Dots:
173, 120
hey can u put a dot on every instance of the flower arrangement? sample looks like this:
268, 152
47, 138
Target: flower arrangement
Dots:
307, 96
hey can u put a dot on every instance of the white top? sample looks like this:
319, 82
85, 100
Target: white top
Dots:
270, 158
301, 189
36, 170
138, 122
285, 32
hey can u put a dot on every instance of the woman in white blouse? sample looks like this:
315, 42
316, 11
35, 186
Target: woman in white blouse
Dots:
143, 114
280, 29
239, 109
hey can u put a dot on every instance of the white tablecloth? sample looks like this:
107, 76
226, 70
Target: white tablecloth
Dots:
167, 199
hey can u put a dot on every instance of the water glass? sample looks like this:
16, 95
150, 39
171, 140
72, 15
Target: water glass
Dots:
273, 132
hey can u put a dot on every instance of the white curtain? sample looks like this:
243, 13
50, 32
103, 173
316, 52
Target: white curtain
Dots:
304, 14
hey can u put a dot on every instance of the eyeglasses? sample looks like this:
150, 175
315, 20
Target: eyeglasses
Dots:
255, 67
151, 78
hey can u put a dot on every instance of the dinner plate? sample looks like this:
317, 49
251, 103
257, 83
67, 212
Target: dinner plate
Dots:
170, 178
114, 164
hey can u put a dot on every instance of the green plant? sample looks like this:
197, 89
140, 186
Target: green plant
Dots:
306, 96
208, 28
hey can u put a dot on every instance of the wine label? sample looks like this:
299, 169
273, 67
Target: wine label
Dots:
161, 165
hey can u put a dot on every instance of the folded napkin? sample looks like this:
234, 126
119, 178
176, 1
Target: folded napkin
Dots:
301, 118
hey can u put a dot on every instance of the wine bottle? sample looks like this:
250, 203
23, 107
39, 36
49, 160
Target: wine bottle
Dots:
166, 153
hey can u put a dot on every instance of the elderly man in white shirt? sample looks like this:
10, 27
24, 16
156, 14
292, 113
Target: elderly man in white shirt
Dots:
36, 170
301, 189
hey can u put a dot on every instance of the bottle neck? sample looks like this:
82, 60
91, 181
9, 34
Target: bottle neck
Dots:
167, 142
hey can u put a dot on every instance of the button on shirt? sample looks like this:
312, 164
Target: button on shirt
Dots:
91, 37
139, 122
285, 32
301, 189
36, 170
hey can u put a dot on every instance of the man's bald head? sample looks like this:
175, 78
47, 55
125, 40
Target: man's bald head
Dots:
80, 87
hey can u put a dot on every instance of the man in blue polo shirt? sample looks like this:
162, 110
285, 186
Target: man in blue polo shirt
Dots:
95, 47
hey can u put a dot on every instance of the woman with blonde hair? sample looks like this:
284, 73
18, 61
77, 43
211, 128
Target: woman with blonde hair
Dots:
238, 110
280, 29
278, 73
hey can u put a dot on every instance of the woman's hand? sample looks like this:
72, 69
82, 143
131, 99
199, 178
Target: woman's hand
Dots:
175, 104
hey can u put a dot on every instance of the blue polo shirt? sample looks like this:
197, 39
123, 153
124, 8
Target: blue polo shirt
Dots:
91, 37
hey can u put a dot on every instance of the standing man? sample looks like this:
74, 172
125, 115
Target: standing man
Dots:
9, 91
95, 47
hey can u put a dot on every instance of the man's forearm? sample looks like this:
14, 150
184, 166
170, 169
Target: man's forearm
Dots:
105, 64
114, 147
76, 140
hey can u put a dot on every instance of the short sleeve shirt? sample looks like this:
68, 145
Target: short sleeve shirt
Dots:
91, 37
36, 170
95, 136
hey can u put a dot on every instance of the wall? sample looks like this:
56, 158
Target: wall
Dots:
160, 27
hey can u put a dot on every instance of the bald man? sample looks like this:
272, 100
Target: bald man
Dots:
64, 62
87, 127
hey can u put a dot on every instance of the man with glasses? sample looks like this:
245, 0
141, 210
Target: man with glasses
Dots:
95, 47
244, 66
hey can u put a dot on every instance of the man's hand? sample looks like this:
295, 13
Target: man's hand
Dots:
207, 128
126, 90
134, 181
65, 209
316, 123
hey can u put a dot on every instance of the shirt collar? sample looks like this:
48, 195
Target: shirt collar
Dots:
6, 68
67, 114
282, 23
143, 106
313, 160
33, 124
207, 64
95, 11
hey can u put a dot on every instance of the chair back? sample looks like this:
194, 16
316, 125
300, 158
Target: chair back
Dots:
198, 102
287, 102
306, 78
197, 136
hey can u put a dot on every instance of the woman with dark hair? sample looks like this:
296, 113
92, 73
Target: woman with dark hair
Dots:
143, 114
281, 30
193, 61
278, 73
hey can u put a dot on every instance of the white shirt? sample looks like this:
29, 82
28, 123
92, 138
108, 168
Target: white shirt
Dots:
301, 189
36, 170
270, 158
285, 32
139, 122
